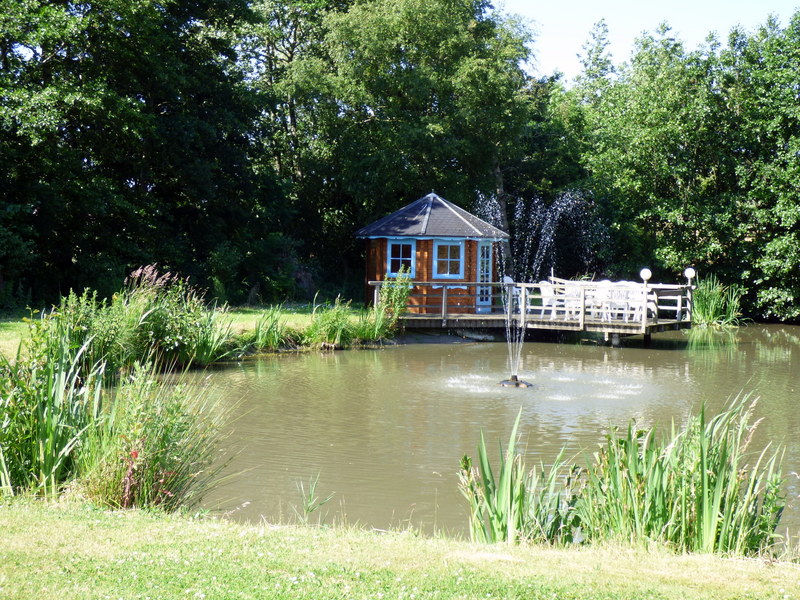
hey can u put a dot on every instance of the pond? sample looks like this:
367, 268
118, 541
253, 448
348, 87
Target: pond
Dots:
384, 430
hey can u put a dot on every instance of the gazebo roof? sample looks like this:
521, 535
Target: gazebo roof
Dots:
431, 216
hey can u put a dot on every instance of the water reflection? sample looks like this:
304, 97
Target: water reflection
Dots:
385, 429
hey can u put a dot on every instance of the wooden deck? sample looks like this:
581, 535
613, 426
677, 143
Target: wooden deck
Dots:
481, 321
613, 308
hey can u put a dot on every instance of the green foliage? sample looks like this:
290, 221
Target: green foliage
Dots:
498, 507
698, 490
330, 326
155, 445
311, 501
517, 505
47, 404
270, 333
126, 130
155, 317
715, 304
394, 295
147, 441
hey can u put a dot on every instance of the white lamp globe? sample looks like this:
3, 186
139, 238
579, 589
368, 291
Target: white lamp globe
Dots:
645, 274
689, 273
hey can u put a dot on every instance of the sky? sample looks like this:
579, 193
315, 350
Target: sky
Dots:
562, 27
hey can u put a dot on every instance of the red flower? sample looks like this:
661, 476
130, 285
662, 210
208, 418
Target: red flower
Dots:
134, 454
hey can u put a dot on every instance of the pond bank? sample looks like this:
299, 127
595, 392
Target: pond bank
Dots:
76, 551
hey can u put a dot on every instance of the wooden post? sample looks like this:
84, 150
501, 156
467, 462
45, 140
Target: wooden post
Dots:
582, 316
376, 294
444, 304
644, 307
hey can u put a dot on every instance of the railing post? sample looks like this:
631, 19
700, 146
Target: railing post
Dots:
689, 273
582, 315
376, 293
444, 304
645, 296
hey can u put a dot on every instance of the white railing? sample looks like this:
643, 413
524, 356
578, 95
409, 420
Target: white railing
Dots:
557, 300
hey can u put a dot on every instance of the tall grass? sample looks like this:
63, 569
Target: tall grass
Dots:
47, 404
330, 326
699, 489
156, 445
155, 316
145, 442
270, 333
517, 504
715, 304
498, 505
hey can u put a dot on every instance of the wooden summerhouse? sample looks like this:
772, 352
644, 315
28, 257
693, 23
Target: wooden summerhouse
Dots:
442, 246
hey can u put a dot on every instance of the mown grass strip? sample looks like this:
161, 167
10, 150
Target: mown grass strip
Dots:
81, 552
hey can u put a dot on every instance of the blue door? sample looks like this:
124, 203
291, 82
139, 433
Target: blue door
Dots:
483, 302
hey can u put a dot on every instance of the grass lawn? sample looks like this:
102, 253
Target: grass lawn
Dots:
12, 330
297, 316
76, 551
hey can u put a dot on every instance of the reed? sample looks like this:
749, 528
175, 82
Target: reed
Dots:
157, 444
330, 326
715, 304
47, 404
394, 295
270, 332
699, 489
497, 505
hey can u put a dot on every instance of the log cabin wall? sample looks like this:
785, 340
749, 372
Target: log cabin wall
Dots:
427, 299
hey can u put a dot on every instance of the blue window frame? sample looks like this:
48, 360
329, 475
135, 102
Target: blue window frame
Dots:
448, 259
401, 253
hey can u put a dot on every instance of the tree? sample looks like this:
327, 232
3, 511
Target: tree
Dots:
127, 133
401, 96
762, 91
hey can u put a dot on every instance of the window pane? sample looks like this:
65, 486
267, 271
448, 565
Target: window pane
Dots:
455, 252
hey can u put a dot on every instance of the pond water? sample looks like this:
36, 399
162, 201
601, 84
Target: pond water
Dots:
384, 430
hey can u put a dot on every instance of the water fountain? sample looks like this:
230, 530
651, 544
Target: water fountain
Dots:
514, 303
534, 251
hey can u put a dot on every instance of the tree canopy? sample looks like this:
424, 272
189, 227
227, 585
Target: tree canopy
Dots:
238, 141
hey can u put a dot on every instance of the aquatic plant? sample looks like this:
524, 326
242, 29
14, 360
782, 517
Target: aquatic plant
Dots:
47, 404
394, 295
497, 505
156, 445
311, 502
697, 490
330, 325
155, 315
269, 333
518, 505
715, 304
147, 441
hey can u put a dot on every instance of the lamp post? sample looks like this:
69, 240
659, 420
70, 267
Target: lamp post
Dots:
690, 274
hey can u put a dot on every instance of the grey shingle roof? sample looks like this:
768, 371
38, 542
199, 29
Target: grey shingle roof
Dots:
431, 216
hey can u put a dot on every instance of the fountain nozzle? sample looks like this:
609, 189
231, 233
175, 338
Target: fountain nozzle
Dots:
515, 381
